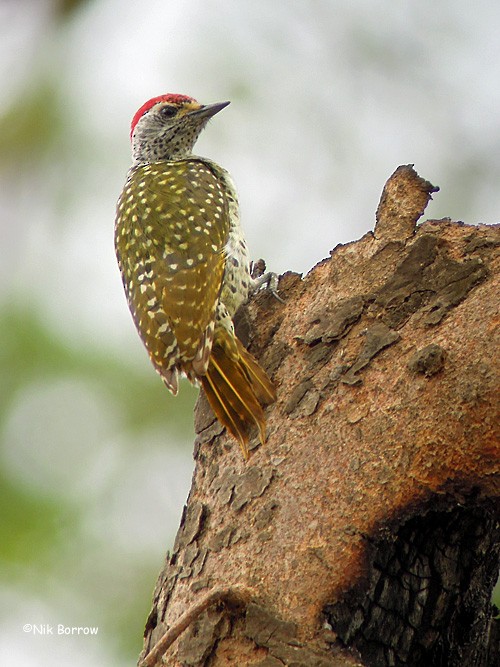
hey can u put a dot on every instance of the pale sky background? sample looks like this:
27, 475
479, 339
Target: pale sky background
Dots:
327, 99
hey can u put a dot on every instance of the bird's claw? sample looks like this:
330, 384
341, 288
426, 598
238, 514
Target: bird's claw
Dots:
269, 281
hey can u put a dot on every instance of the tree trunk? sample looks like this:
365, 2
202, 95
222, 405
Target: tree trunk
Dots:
366, 530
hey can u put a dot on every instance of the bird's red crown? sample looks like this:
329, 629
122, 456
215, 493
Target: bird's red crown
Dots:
171, 98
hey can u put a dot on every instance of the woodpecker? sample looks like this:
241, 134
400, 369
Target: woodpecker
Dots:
184, 263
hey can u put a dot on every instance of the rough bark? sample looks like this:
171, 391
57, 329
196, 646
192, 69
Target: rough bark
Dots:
366, 530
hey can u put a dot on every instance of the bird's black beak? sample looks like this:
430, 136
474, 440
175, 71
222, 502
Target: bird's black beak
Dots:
208, 110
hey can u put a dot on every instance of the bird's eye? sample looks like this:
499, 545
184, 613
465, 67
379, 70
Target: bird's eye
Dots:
168, 111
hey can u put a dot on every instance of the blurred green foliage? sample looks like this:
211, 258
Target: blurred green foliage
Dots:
41, 533
65, 8
27, 128
30, 351
32, 527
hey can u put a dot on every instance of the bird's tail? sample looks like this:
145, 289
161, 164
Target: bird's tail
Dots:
237, 388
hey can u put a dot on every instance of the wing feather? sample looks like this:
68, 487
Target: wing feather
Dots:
185, 227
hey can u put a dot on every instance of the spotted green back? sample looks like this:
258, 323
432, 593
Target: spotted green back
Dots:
172, 226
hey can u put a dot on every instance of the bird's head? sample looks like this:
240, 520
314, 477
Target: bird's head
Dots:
167, 127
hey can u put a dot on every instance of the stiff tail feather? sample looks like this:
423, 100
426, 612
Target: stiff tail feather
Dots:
237, 388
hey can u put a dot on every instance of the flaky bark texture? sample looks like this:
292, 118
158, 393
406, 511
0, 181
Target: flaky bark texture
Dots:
366, 530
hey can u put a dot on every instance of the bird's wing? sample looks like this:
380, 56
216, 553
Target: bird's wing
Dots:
189, 234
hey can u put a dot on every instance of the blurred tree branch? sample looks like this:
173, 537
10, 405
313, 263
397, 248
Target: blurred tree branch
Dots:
366, 531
